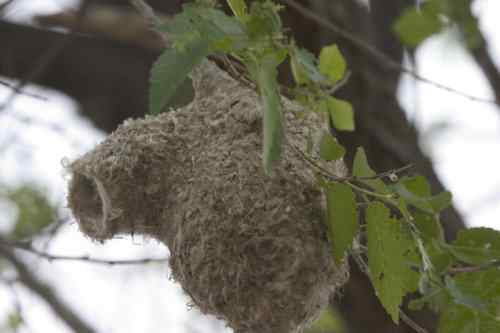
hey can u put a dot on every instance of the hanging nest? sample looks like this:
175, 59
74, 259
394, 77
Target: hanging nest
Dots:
246, 247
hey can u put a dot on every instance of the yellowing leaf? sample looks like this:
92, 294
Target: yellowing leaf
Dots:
332, 63
238, 7
361, 168
330, 149
341, 113
34, 211
415, 25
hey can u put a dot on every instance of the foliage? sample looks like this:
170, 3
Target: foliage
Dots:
342, 217
13, 322
417, 23
329, 321
405, 248
391, 254
34, 211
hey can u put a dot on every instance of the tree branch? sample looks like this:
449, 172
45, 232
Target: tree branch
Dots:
488, 67
85, 258
43, 61
45, 292
375, 53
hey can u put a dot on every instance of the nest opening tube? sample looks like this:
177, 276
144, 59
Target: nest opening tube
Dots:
91, 205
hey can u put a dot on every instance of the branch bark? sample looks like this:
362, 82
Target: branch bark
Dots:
488, 67
109, 79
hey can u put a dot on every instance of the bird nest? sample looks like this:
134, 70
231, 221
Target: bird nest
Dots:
246, 247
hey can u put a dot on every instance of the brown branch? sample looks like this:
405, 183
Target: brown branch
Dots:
20, 91
375, 53
44, 291
146, 11
108, 91
487, 65
472, 269
469, 24
43, 62
6, 4
109, 22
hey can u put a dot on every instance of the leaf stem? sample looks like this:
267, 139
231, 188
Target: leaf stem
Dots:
368, 192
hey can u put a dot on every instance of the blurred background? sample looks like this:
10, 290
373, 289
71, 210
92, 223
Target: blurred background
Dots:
72, 71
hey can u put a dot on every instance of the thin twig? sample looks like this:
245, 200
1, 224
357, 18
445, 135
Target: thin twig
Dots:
84, 258
44, 291
20, 91
472, 269
340, 84
376, 53
410, 322
332, 177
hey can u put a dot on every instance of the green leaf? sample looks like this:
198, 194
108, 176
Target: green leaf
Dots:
265, 73
330, 149
14, 321
411, 198
330, 320
416, 191
214, 24
460, 297
457, 318
332, 63
428, 225
341, 113
238, 7
441, 259
34, 211
441, 201
195, 33
361, 168
193, 24
433, 298
342, 218
418, 185
388, 258
461, 13
305, 65
299, 74
414, 25
476, 246
474, 303
264, 20
170, 71
479, 290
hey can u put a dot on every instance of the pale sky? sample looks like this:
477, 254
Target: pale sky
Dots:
137, 299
